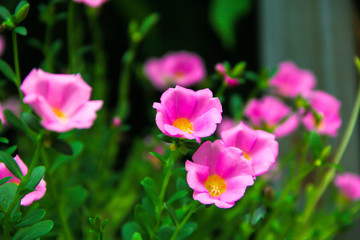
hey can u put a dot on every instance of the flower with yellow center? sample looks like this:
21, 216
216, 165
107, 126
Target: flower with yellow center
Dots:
184, 124
215, 185
60, 115
247, 156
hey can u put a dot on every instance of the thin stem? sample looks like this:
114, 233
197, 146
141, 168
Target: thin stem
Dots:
49, 57
17, 68
53, 192
70, 40
330, 173
184, 221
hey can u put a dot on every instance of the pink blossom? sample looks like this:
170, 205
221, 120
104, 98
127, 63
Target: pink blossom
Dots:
349, 185
92, 3
2, 45
30, 197
271, 112
116, 122
290, 81
61, 100
259, 147
228, 80
185, 113
178, 68
328, 107
218, 174
13, 105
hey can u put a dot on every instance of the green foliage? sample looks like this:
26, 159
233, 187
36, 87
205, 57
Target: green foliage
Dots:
7, 70
35, 231
31, 218
11, 164
224, 15
7, 194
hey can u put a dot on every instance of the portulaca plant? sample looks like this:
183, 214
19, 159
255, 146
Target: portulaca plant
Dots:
214, 164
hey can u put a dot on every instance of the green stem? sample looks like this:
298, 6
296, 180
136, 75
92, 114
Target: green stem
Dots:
70, 40
184, 221
221, 90
17, 69
55, 196
49, 58
21, 186
330, 173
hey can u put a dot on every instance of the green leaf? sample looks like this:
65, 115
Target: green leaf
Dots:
75, 197
192, 145
1, 123
151, 190
159, 156
224, 15
32, 121
357, 63
129, 229
11, 164
7, 194
31, 218
21, 30
4, 140
148, 24
238, 70
35, 178
165, 138
4, 13
21, 11
35, 231
136, 236
171, 213
7, 70
62, 159
4, 180
11, 150
165, 232
14, 120
176, 196
62, 147
236, 105
315, 144
187, 230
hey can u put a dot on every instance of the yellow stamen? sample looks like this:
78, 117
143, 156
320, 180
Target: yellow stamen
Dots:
215, 185
179, 74
61, 116
184, 124
247, 156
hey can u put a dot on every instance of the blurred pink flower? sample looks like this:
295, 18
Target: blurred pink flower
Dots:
271, 111
61, 100
2, 45
116, 121
92, 3
177, 68
259, 147
30, 197
188, 114
13, 105
349, 185
328, 107
290, 81
218, 174
228, 80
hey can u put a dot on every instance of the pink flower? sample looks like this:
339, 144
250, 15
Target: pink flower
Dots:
259, 147
61, 100
2, 45
225, 124
271, 112
228, 80
349, 185
188, 114
92, 3
291, 81
218, 174
12, 104
30, 197
328, 107
178, 68
116, 122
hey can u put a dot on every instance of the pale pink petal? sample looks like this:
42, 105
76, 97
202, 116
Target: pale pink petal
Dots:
197, 175
235, 188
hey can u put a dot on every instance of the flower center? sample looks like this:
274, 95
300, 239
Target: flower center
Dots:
179, 74
184, 124
215, 185
60, 115
247, 156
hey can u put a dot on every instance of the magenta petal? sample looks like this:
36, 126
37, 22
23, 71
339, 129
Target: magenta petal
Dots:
41, 107
86, 114
240, 136
235, 188
197, 175
287, 127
